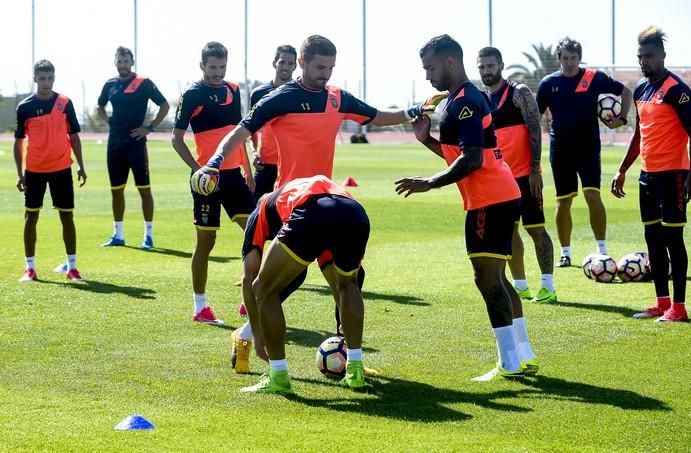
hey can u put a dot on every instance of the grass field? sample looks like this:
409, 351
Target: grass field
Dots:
77, 358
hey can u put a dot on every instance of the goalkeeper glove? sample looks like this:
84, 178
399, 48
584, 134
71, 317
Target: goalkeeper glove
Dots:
427, 107
215, 161
204, 173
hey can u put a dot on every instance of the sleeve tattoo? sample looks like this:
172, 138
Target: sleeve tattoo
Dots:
523, 99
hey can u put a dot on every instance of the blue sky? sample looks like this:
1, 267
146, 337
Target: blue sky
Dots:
80, 36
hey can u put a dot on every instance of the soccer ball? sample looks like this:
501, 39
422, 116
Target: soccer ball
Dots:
631, 268
331, 357
648, 272
608, 107
603, 268
205, 182
586, 264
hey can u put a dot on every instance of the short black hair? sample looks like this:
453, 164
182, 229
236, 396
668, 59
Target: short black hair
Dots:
443, 45
214, 49
122, 50
570, 45
316, 45
43, 66
286, 48
654, 36
490, 52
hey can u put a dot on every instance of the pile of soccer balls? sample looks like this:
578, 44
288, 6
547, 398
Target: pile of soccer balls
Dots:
634, 267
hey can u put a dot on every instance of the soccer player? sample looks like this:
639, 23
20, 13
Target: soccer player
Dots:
313, 215
129, 94
661, 137
212, 108
517, 127
490, 195
264, 142
48, 120
571, 96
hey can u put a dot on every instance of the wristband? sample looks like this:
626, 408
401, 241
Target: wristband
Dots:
150, 127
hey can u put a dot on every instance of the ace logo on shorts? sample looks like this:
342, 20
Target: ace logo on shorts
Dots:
465, 113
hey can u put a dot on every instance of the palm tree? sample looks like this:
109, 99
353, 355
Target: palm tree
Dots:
544, 64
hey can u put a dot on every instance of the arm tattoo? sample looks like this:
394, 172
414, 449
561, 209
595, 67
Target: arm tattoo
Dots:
524, 100
468, 162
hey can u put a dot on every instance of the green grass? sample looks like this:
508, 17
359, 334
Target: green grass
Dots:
77, 358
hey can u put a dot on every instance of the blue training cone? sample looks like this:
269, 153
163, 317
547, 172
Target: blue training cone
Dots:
134, 422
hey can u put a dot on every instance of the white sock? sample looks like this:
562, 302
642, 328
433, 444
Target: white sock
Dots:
506, 346
149, 229
566, 251
245, 332
72, 261
520, 333
520, 285
119, 229
601, 246
354, 354
278, 365
548, 281
199, 302
30, 262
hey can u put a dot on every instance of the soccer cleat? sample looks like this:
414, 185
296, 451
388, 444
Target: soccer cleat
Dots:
524, 293
29, 275
148, 243
61, 268
355, 375
530, 367
672, 315
564, 261
650, 312
207, 316
74, 275
114, 242
501, 372
242, 310
371, 372
274, 382
240, 352
544, 296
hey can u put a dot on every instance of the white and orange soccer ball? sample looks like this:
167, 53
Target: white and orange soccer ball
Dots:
603, 268
631, 268
586, 264
608, 107
332, 355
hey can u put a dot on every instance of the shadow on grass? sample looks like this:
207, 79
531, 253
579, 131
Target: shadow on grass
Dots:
95, 286
624, 311
313, 338
415, 401
370, 296
184, 254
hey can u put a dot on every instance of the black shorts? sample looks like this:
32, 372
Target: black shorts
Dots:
661, 197
61, 189
488, 230
132, 155
233, 194
532, 212
327, 222
264, 180
569, 162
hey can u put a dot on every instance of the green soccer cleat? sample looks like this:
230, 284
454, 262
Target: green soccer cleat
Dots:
499, 371
530, 367
524, 294
274, 382
544, 296
355, 375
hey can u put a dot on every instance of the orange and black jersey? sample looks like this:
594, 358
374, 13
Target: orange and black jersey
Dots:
275, 208
572, 101
512, 134
268, 146
305, 123
664, 118
47, 123
129, 99
466, 122
212, 112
